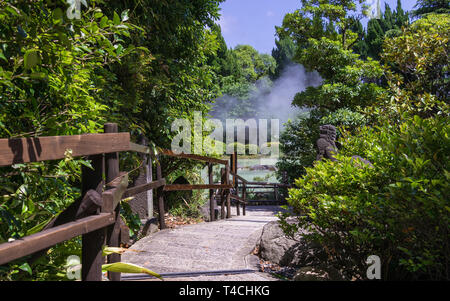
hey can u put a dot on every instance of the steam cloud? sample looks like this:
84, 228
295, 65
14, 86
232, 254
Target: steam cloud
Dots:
270, 101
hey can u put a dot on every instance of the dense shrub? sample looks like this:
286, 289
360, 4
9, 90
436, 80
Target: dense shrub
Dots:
398, 209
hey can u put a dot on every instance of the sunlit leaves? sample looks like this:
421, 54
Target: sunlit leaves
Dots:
31, 58
123, 267
420, 55
399, 203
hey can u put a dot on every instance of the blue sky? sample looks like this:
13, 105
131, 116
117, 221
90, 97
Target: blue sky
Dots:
253, 22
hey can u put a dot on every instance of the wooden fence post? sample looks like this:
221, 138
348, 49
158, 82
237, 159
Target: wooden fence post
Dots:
113, 231
92, 243
211, 192
233, 163
227, 191
244, 197
222, 193
149, 178
160, 194
275, 191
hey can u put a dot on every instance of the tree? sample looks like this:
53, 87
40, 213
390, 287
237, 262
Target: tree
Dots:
425, 7
360, 47
375, 37
139, 63
389, 24
348, 80
178, 81
322, 32
243, 72
283, 54
420, 58
396, 207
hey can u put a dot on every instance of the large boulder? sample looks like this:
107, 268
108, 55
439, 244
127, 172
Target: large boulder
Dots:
274, 244
277, 248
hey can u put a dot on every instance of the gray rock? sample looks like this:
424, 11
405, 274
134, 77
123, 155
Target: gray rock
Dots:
148, 227
274, 244
277, 248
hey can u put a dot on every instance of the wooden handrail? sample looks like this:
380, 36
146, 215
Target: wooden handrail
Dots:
170, 153
10, 251
142, 188
111, 198
175, 187
103, 150
235, 197
24, 150
238, 177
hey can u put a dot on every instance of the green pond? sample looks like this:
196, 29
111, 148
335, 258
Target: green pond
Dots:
245, 172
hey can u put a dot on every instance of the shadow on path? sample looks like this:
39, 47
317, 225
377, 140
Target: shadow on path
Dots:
223, 245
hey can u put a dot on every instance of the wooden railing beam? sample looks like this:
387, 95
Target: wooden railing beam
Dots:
24, 150
16, 249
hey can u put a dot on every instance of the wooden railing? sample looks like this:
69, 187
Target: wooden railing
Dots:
96, 215
224, 186
243, 185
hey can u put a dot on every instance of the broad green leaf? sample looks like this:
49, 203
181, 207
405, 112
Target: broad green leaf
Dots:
57, 15
122, 267
26, 267
103, 22
40, 226
2, 125
31, 58
116, 19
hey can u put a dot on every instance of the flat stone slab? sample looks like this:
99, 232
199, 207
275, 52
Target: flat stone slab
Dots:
208, 246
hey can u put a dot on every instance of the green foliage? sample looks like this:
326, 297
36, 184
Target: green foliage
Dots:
297, 146
325, 41
424, 7
45, 190
325, 45
345, 118
253, 64
390, 24
298, 140
48, 79
420, 56
138, 63
242, 73
398, 207
283, 54
51, 267
186, 203
397, 210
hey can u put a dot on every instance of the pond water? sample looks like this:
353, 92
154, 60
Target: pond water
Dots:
248, 173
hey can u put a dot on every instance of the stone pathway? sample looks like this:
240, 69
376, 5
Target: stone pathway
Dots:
220, 245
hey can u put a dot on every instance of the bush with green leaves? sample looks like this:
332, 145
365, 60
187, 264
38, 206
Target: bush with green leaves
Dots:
398, 209
299, 136
138, 63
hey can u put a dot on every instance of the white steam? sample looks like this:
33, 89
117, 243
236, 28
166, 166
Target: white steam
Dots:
270, 100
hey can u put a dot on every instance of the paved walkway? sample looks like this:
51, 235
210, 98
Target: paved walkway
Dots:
220, 245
